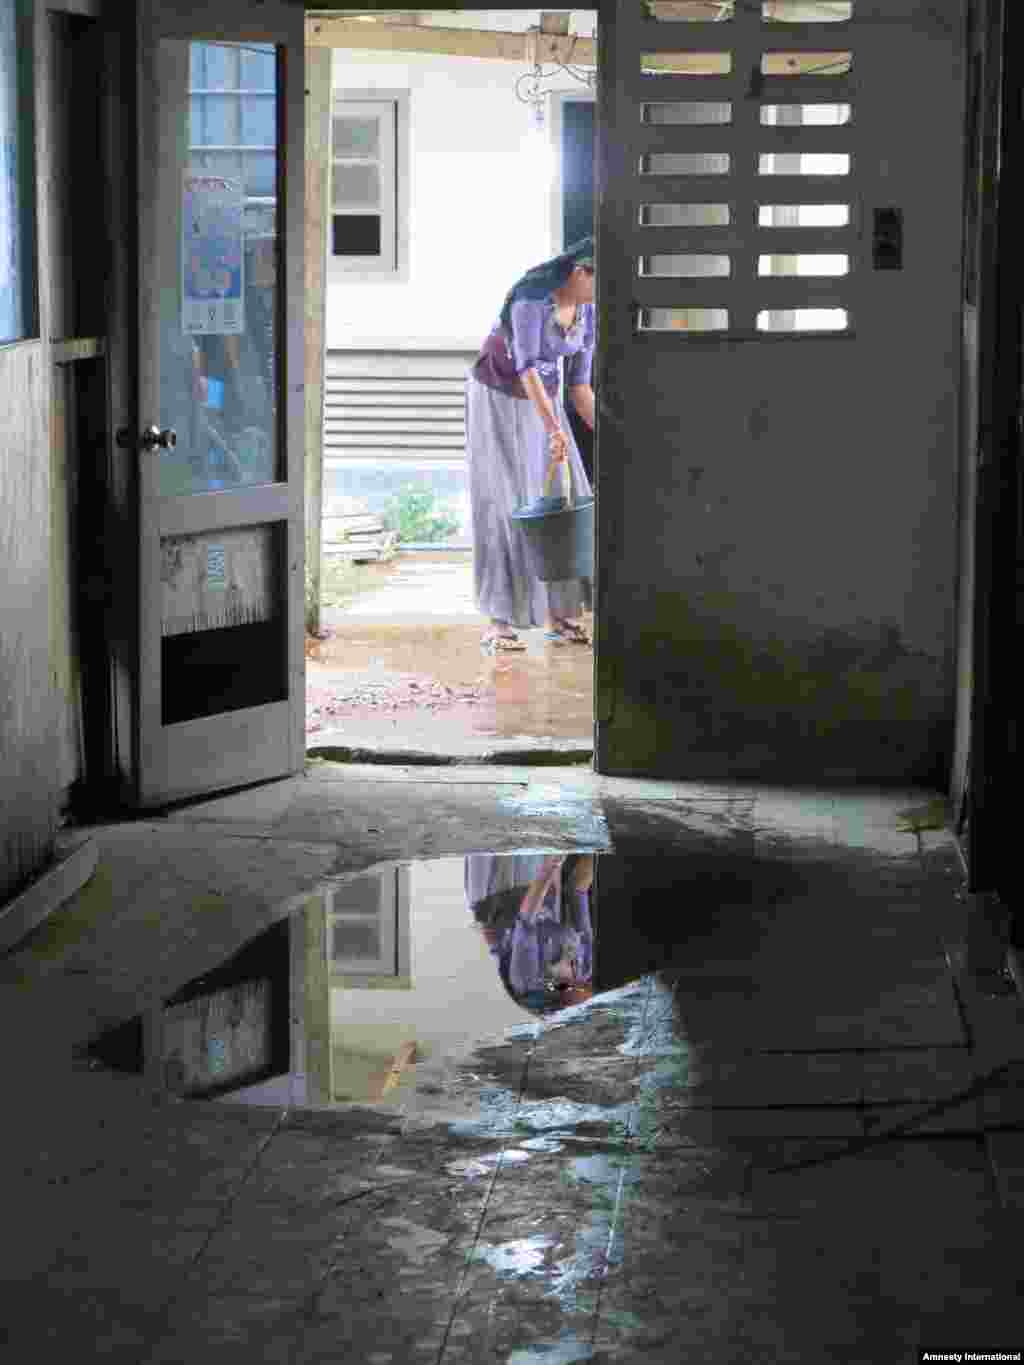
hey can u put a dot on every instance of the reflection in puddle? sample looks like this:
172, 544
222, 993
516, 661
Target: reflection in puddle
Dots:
364, 994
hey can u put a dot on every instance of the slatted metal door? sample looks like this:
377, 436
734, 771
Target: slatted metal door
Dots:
778, 286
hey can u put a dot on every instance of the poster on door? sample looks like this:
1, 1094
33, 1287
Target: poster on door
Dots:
212, 256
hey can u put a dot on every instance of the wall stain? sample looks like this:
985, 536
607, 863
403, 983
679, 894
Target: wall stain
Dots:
854, 702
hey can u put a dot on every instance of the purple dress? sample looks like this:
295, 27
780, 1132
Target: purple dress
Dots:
508, 456
527, 948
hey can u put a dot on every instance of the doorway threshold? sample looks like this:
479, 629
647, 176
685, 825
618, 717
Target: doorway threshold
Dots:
524, 752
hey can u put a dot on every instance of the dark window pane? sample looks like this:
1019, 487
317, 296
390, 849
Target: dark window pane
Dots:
355, 136
356, 234
356, 942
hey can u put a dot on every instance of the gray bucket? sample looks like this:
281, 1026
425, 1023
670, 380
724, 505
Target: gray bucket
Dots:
560, 539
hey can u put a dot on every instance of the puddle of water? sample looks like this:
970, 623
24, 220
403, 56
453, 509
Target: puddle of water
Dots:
543, 1144
427, 987
379, 985
470, 1167
520, 1258
567, 1350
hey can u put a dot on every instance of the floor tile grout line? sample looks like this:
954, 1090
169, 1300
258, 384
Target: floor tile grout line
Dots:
373, 1162
167, 1308
595, 1325
468, 1260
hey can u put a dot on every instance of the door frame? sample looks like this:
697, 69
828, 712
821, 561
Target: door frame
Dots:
995, 705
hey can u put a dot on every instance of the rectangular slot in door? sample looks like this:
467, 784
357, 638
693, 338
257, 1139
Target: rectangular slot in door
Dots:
685, 163
687, 113
686, 63
222, 630
684, 215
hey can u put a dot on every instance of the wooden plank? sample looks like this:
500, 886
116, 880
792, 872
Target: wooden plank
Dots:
331, 32
556, 23
317, 173
404, 1057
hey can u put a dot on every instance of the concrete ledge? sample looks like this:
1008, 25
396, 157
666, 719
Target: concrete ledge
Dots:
76, 862
515, 752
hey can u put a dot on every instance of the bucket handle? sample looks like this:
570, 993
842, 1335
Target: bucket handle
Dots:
567, 479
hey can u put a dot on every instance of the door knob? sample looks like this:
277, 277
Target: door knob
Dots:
150, 439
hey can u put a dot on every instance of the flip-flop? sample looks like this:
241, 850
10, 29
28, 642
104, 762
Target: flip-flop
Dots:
568, 634
502, 644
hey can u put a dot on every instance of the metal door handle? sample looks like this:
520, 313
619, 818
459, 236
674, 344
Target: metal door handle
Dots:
150, 439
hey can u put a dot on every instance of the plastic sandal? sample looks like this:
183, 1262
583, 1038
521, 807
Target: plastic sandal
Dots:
568, 633
502, 644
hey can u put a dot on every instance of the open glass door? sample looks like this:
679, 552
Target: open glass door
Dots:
221, 669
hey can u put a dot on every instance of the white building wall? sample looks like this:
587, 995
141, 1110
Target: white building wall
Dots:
456, 997
480, 203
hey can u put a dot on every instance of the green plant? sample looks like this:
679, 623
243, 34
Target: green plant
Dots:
417, 515
341, 581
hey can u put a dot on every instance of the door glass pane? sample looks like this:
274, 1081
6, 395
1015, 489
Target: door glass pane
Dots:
218, 266
257, 68
259, 120
214, 121
260, 174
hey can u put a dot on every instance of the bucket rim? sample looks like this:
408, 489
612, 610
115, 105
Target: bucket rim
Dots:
580, 505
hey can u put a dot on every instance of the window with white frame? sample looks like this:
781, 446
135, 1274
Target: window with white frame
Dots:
364, 224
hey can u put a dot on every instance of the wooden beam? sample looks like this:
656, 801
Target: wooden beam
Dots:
556, 23
383, 1082
317, 169
325, 31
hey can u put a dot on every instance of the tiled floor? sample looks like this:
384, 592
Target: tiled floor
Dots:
786, 1127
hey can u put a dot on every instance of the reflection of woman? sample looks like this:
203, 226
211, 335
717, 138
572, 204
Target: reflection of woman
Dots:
515, 426
535, 915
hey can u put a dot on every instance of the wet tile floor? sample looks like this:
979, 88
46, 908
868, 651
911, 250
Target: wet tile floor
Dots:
420, 685
402, 667
776, 1123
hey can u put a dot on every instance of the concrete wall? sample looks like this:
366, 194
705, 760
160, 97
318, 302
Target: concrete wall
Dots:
480, 203
778, 519
27, 718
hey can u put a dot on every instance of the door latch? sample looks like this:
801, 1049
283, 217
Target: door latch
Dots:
150, 439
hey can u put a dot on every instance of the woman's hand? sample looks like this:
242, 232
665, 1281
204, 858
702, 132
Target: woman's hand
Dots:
558, 444
547, 874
